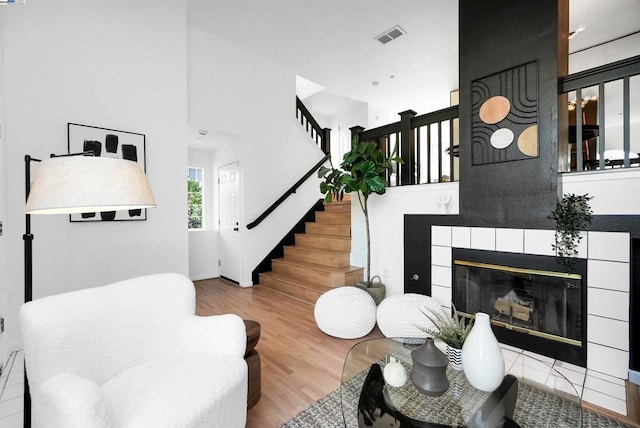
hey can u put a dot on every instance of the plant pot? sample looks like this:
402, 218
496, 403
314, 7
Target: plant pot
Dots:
375, 289
455, 357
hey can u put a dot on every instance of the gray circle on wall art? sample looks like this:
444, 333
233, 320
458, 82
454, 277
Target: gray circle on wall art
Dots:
502, 138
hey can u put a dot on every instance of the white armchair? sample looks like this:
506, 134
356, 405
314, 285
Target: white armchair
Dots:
133, 354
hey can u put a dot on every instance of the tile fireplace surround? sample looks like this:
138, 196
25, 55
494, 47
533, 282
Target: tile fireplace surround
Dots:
602, 382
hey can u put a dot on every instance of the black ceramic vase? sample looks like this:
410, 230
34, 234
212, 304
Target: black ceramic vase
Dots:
429, 373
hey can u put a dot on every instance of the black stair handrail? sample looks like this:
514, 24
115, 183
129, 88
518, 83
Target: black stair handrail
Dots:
286, 194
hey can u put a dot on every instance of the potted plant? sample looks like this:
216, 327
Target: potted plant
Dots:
452, 330
333, 184
572, 215
363, 171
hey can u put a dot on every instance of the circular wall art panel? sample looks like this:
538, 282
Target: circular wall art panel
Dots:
502, 138
494, 109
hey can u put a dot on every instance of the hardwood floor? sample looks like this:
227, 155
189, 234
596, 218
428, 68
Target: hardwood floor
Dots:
300, 364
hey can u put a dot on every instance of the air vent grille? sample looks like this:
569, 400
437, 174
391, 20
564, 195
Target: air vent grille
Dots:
390, 35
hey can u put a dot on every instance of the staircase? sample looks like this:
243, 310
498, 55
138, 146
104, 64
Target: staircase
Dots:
320, 258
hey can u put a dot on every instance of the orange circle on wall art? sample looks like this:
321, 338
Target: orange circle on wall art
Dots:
528, 141
494, 109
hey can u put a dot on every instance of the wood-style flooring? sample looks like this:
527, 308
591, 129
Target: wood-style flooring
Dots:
300, 364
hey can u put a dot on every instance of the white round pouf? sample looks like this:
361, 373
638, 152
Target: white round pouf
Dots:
345, 312
398, 315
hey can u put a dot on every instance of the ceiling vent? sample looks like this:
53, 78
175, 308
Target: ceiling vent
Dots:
390, 35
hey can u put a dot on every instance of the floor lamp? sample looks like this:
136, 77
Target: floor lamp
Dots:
71, 184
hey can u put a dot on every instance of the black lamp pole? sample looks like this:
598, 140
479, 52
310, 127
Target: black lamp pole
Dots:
28, 279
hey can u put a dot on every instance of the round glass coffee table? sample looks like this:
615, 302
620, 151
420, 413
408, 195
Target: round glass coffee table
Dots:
533, 394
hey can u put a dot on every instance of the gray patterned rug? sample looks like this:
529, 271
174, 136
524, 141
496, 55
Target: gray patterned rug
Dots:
533, 407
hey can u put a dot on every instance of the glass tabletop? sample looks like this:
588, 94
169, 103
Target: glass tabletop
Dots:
533, 393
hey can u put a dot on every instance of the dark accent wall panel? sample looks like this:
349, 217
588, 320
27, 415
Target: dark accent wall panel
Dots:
515, 186
417, 255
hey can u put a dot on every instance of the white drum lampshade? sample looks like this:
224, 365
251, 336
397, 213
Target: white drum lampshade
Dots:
77, 184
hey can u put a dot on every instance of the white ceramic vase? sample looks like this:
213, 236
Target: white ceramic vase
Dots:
482, 360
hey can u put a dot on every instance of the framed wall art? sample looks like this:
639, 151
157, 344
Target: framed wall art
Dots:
505, 116
112, 143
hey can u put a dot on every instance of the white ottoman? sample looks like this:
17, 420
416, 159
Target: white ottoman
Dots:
398, 315
345, 312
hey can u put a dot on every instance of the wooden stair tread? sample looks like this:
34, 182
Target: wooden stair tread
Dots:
314, 286
319, 267
324, 236
317, 250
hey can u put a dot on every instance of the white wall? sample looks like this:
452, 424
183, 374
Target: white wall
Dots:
3, 204
614, 191
119, 65
203, 244
341, 133
386, 217
236, 92
607, 53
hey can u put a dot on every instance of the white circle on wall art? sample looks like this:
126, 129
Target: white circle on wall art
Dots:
502, 138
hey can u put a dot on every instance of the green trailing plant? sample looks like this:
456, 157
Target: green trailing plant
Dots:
366, 167
333, 184
572, 215
452, 330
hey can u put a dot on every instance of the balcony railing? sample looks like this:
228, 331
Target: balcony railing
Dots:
428, 145
604, 112
606, 129
321, 136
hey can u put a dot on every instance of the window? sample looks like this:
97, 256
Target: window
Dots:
195, 184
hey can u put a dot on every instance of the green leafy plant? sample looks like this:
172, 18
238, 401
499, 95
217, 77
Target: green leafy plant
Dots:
366, 167
572, 215
333, 185
194, 198
452, 330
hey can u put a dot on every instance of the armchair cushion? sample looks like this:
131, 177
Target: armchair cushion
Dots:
188, 391
75, 402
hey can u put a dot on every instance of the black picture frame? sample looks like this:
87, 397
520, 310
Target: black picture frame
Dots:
108, 142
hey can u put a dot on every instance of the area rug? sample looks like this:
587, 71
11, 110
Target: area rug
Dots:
327, 413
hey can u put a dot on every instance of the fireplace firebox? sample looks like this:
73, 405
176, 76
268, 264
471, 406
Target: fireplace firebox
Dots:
533, 303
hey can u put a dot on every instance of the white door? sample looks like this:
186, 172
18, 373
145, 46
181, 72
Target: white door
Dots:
229, 215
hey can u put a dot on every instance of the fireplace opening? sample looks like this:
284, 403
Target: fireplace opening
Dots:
533, 303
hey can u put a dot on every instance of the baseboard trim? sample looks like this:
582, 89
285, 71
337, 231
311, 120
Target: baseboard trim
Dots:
205, 276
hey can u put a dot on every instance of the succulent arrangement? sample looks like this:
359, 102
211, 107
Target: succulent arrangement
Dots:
452, 330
